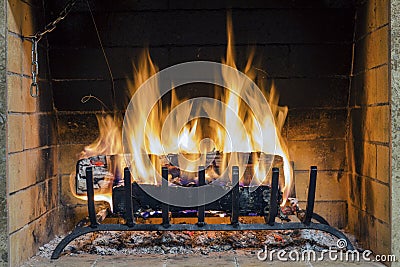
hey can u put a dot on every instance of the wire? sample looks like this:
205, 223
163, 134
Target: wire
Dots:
105, 58
86, 98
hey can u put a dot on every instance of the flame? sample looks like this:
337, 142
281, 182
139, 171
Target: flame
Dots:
193, 141
103, 195
108, 142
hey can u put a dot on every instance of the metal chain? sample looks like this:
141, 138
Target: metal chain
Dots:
34, 89
52, 25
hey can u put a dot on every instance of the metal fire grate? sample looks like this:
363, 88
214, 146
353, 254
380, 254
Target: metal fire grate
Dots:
129, 198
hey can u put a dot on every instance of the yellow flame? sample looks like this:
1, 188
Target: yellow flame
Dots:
103, 195
108, 142
247, 133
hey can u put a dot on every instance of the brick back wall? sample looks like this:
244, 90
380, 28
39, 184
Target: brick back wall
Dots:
368, 146
306, 48
32, 153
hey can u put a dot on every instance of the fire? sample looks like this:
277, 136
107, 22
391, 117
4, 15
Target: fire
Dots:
168, 131
107, 143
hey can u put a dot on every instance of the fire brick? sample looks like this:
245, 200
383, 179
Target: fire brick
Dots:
309, 124
19, 99
20, 17
326, 154
17, 170
382, 85
31, 124
372, 50
383, 164
377, 123
15, 132
29, 204
373, 201
329, 186
368, 162
14, 58
27, 240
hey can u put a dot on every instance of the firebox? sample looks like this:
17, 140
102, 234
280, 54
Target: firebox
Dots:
76, 138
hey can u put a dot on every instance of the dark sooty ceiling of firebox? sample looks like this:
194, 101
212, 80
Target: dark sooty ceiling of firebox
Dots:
304, 46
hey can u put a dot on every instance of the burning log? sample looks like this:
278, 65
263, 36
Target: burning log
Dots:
107, 173
100, 217
254, 191
101, 175
252, 201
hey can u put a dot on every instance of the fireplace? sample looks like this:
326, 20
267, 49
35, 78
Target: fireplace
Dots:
327, 60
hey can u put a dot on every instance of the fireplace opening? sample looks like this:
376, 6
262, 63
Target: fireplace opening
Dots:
323, 71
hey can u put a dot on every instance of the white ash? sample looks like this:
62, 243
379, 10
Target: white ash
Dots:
186, 242
46, 250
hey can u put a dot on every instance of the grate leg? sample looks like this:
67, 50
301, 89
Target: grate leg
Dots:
235, 196
311, 195
90, 197
273, 208
165, 206
128, 198
201, 197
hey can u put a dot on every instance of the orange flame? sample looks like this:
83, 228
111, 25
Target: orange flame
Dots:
107, 143
190, 139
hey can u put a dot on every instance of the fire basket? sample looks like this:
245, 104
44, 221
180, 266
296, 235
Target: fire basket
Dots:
129, 199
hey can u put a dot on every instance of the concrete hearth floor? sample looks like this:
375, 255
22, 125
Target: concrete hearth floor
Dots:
237, 258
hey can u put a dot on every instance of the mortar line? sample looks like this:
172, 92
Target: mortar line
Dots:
276, 77
371, 32
343, 108
86, 79
326, 201
372, 179
196, 45
31, 113
380, 104
34, 220
22, 75
365, 70
323, 171
93, 112
30, 4
360, 209
34, 149
317, 139
249, 9
23, 38
380, 143
55, 176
